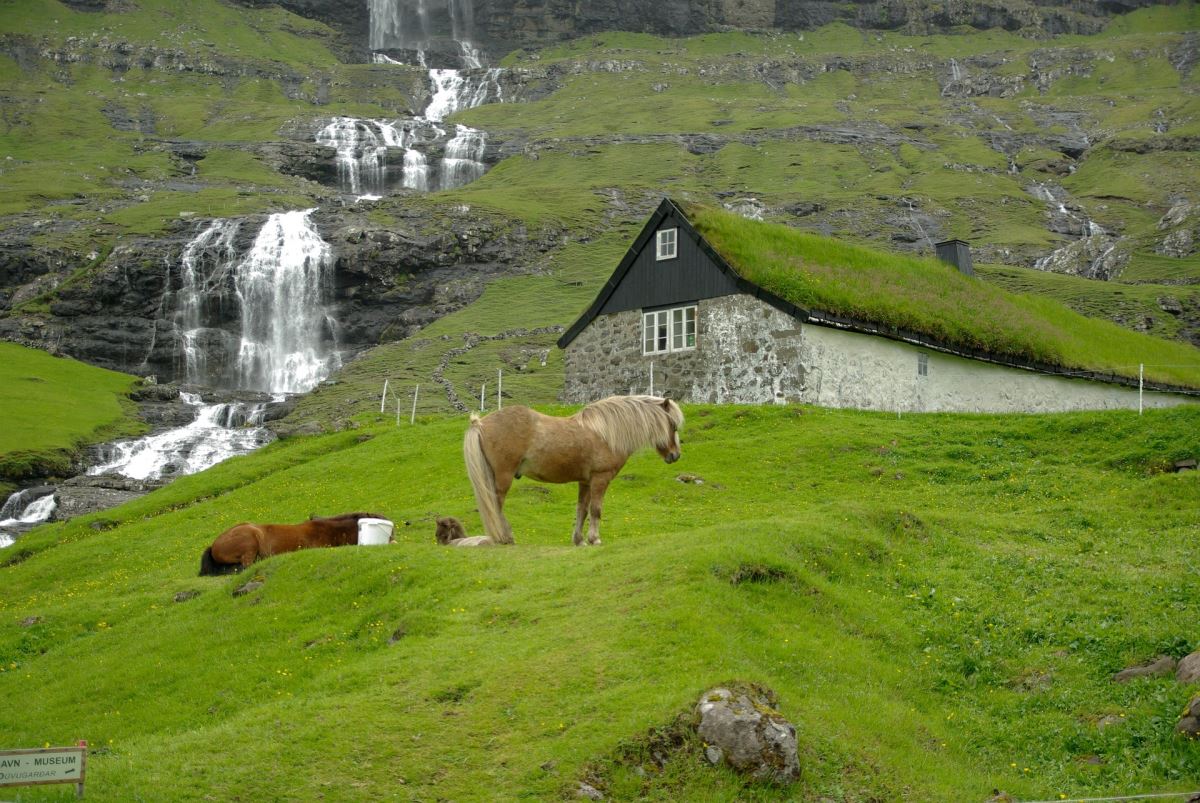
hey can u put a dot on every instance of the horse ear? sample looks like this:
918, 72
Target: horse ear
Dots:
666, 405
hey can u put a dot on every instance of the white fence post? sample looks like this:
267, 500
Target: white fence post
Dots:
383, 397
499, 388
413, 418
1141, 369
482, 391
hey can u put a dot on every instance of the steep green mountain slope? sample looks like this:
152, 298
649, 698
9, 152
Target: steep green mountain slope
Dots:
126, 128
939, 602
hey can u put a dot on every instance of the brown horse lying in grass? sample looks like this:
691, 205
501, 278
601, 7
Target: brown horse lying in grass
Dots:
241, 545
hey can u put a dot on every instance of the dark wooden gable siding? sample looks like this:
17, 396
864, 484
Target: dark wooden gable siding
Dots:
690, 276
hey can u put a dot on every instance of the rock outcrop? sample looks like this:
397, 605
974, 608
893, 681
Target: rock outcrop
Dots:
741, 728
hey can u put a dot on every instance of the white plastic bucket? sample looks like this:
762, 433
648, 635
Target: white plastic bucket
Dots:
374, 532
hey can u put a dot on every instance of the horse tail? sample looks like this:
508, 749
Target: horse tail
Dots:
210, 567
483, 480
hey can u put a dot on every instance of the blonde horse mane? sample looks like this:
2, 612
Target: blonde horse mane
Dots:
627, 423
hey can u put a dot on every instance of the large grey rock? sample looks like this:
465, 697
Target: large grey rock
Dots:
741, 728
84, 494
1188, 670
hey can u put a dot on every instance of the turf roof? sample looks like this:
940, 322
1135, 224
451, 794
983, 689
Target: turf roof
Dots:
920, 300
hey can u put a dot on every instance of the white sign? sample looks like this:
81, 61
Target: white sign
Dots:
52, 765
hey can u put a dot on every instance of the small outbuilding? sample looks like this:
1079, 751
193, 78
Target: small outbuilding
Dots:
677, 318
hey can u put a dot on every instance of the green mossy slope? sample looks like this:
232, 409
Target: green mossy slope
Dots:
51, 406
938, 600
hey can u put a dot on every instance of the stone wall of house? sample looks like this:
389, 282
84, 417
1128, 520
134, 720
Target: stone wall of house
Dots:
748, 352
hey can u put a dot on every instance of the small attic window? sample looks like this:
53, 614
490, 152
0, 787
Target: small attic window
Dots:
667, 244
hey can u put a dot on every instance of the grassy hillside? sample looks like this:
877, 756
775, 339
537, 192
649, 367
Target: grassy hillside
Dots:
54, 405
939, 602
869, 138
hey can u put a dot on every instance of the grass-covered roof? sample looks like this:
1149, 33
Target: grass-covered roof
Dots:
932, 300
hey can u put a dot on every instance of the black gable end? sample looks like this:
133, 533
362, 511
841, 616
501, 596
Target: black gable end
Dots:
642, 280
690, 276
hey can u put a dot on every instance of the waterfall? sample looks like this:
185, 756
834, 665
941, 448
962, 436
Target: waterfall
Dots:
419, 24
463, 159
204, 268
273, 297
218, 432
361, 147
416, 170
19, 508
283, 284
277, 292
418, 27
19, 513
454, 90
362, 151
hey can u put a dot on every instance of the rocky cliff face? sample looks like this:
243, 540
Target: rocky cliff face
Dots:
391, 279
505, 25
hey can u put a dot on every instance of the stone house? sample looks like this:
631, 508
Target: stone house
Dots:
677, 319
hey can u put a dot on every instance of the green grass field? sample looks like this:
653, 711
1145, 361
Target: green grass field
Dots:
939, 602
51, 406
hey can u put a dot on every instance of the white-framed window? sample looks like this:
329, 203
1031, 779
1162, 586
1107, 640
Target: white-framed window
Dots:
667, 244
922, 364
668, 330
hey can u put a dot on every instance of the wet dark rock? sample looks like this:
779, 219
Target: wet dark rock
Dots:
86, 494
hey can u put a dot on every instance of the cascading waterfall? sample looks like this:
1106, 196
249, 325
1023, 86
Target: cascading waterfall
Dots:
20, 512
463, 159
361, 147
218, 432
287, 336
1090, 254
416, 170
276, 293
204, 267
417, 26
280, 289
452, 91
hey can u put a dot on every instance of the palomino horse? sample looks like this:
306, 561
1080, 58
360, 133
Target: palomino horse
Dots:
589, 447
242, 544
